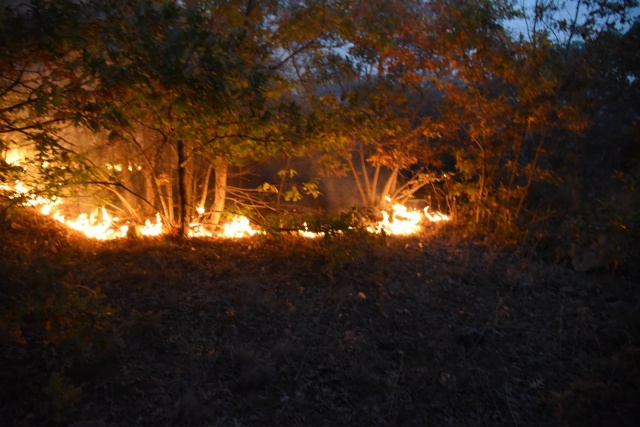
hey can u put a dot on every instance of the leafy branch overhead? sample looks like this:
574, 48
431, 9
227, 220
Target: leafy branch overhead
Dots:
165, 106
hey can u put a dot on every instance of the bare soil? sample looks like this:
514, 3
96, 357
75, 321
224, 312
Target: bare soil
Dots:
342, 331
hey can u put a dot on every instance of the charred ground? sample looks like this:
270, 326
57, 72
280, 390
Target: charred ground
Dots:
277, 330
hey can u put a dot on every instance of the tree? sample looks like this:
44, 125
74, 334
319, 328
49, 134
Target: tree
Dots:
385, 84
42, 94
208, 84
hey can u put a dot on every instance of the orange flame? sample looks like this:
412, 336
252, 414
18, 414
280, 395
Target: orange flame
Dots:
101, 225
239, 227
97, 225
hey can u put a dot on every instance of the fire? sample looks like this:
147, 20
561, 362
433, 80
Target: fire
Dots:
239, 227
100, 224
309, 234
152, 229
97, 225
436, 216
402, 221
197, 229
14, 157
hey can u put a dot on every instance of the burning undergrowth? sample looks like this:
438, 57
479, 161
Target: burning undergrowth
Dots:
277, 329
99, 222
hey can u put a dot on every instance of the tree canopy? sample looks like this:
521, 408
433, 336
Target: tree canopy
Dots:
153, 104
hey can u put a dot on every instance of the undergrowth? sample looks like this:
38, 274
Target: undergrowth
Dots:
60, 322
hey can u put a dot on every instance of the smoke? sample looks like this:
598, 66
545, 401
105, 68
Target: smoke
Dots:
340, 193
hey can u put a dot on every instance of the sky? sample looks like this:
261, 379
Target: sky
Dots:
568, 12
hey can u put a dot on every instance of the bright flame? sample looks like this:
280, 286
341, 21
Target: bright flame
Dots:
436, 216
309, 234
99, 224
239, 227
151, 229
403, 221
14, 157
196, 229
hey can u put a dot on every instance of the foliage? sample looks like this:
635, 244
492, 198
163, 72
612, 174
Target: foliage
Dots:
64, 397
159, 104
42, 94
41, 305
57, 320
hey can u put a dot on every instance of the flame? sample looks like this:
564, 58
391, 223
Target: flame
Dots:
100, 224
97, 225
436, 216
239, 227
15, 157
151, 229
401, 221
309, 234
197, 229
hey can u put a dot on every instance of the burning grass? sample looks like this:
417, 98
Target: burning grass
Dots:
350, 329
100, 224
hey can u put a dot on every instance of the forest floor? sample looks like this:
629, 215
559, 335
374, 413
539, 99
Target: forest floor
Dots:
344, 331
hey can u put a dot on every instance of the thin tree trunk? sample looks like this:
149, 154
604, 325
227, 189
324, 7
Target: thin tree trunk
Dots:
149, 193
406, 192
516, 159
480, 196
357, 179
374, 186
363, 165
386, 190
128, 183
205, 186
530, 176
182, 190
220, 187
189, 185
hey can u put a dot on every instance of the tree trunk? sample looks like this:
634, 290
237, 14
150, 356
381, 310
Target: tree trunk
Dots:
386, 191
182, 190
530, 176
357, 179
150, 194
374, 186
365, 172
189, 182
205, 186
220, 187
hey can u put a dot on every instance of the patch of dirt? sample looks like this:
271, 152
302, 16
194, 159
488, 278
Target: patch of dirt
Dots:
348, 331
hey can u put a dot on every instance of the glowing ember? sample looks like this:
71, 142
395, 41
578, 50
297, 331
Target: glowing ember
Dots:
196, 229
239, 227
309, 234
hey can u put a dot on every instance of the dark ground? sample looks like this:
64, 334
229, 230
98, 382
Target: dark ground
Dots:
348, 331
